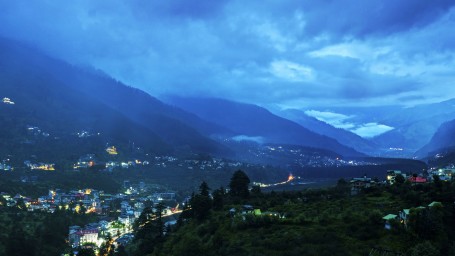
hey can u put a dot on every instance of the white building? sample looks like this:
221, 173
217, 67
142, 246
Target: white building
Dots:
79, 236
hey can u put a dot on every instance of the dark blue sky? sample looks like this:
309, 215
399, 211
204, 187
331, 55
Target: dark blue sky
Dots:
300, 54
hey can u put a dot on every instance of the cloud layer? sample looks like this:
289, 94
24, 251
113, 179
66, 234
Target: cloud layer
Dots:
290, 53
366, 130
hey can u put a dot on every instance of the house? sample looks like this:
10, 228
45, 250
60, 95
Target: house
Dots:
392, 174
417, 180
85, 161
404, 216
247, 209
127, 219
5, 167
357, 184
273, 214
388, 220
111, 150
8, 101
257, 212
434, 203
445, 174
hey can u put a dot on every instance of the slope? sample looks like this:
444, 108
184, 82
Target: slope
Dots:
61, 98
443, 140
343, 136
253, 121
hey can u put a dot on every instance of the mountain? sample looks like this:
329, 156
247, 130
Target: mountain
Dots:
414, 127
251, 122
442, 142
61, 100
341, 135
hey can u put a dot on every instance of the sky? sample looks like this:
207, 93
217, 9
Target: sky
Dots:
308, 55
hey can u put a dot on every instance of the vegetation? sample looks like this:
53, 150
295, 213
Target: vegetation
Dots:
36, 233
310, 222
314, 222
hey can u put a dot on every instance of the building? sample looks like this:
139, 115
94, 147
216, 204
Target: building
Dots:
127, 219
388, 220
392, 174
417, 180
357, 184
445, 174
404, 216
111, 150
79, 236
8, 101
5, 167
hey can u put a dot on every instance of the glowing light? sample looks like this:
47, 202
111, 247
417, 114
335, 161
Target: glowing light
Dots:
8, 101
111, 150
291, 177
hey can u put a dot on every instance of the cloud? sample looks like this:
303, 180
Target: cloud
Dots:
335, 119
353, 49
257, 139
366, 130
371, 18
370, 130
312, 53
291, 71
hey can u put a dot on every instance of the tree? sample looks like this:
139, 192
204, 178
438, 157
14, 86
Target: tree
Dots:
342, 186
201, 206
427, 223
121, 251
149, 230
86, 252
201, 203
104, 248
437, 181
218, 199
17, 238
204, 189
256, 190
423, 249
158, 216
399, 179
239, 184
20, 204
140, 225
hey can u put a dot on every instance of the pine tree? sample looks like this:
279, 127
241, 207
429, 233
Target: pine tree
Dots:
239, 184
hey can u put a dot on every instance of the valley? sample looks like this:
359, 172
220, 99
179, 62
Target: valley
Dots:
150, 128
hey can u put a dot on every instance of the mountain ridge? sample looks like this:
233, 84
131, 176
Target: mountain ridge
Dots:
343, 136
51, 84
238, 117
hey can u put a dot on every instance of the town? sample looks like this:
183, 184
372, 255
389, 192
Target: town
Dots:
116, 213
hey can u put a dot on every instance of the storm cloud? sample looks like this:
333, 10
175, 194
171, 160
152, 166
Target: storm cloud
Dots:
298, 54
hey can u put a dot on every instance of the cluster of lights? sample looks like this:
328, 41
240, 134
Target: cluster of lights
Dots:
290, 178
8, 101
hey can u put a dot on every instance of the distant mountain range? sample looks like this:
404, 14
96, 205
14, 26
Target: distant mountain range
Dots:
414, 127
251, 122
55, 101
341, 135
61, 100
